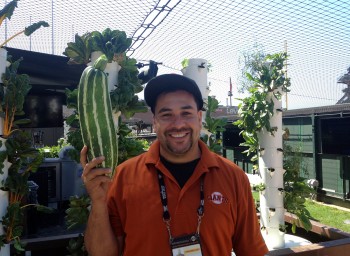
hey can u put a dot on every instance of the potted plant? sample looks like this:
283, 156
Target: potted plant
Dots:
13, 89
261, 124
121, 70
123, 85
24, 160
17, 157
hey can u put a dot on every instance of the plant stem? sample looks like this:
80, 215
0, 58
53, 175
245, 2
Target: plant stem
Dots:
11, 38
2, 18
27, 205
9, 118
9, 230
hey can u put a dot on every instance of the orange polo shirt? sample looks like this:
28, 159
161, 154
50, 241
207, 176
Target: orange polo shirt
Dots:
229, 221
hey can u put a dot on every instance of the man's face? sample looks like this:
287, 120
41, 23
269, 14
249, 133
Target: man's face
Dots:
178, 123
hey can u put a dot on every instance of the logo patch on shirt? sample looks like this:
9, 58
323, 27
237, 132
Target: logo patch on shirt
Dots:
217, 198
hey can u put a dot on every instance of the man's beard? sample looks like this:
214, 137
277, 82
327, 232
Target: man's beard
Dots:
177, 151
181, 151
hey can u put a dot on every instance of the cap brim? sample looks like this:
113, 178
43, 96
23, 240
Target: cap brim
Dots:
170, 83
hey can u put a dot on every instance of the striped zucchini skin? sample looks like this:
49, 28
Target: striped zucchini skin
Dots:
96, 119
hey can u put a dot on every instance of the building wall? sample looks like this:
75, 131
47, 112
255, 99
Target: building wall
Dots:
300, 139
306, 136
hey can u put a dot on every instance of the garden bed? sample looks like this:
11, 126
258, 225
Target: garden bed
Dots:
325, 240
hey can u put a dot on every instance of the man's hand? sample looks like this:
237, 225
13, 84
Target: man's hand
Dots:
96, 180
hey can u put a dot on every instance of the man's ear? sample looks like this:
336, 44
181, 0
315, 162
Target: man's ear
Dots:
154, 124
200, 114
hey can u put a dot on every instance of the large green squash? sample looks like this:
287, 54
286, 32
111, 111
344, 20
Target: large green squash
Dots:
95, 114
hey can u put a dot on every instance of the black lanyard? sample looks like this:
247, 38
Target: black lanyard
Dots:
164, 199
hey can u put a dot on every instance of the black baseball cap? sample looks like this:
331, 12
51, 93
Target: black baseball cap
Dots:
171, 83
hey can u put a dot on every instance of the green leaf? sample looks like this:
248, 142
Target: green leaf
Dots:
22, 121
32, 28
43, 208
8, 10
19, 246
294, 228
79, 51
249, 76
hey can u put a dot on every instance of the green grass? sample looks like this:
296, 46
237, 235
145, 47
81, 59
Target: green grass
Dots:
328, 215
324, 214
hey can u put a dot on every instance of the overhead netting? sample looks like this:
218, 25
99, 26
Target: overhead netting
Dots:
316, 35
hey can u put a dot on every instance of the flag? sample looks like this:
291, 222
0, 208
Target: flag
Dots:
230, 91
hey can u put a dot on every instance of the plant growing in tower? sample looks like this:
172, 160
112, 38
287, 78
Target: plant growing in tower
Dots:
110, 46
7, 12
13, 91
261, 124
213, 126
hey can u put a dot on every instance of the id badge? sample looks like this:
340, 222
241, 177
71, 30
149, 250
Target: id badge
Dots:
188, 245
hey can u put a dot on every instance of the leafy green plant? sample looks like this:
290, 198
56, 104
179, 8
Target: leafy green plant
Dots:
256, 110
282, 228
259, 187
184, 63
128, 145
7, 12
53, 151
249, 60
78, 211
24, 160
76, 247
295, 188
79, 207
13, 91
112, 43
124, 101
79, 51
123, 96
213, 126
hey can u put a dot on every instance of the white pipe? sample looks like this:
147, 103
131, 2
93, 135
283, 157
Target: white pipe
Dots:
271, 170
111, 70
4, 199
197, 70
3, 62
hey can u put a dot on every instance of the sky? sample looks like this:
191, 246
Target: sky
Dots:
317, 35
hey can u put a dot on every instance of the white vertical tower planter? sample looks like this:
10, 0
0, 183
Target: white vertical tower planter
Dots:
4, 195
3, 64
111, 70
271, 170
197, 70
5, 250
4, 198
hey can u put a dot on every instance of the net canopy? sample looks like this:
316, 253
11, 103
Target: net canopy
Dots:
315, 34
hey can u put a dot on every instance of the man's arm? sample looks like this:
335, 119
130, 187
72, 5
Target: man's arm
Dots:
99, 237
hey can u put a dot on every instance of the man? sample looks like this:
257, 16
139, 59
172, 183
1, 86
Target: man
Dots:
178, 196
